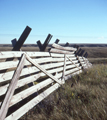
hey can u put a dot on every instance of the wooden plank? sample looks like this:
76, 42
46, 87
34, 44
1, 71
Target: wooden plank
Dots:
72, 70
14, 42
15, 54
63, 48
39, 44
57, 41
72, 62
60, 55
8, 75
77, 52
13, 64
53, 50
27, 92
67, 44
47, 81
22, 39
46, 42
13, 116
63, 74
72, 74
79, 60
25, 108
42, 69
10, 92
33, 78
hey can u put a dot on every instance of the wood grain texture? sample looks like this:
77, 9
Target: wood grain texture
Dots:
8, 75
33, 78
10, 92
42, 69
64, 69
63, 48
73, 63
25, 108
14, 54
53, 50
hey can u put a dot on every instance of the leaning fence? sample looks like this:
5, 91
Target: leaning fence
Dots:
26, 78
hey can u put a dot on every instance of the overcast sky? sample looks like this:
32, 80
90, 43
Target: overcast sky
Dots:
73, 21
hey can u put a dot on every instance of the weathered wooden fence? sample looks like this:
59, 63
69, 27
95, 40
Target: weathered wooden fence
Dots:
46, 70
26, 78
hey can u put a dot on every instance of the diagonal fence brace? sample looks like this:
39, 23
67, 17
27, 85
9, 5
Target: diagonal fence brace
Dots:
42, 69
10, 92
73, 62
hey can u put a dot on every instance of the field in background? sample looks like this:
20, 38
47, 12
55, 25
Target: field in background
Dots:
96, 55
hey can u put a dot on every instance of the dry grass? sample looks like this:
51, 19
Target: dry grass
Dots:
96, 52
85, 100
98, 60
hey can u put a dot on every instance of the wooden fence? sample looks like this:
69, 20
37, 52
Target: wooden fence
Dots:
26, 78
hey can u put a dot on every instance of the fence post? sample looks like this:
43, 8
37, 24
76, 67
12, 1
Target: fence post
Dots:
43, 47
77, 53
39, 44
82, 52
67, 44
57, 41
14, 42
76, 46
86, 54
46, 42
22, 39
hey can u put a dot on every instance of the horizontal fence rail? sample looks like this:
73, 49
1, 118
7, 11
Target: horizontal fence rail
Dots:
46, 71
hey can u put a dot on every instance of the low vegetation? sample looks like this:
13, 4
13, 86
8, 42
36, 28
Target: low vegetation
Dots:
84, 97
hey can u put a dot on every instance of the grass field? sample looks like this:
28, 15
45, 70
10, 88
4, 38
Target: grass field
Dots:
84, 97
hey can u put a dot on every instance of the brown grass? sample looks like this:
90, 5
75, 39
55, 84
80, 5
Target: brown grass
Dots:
85, 100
